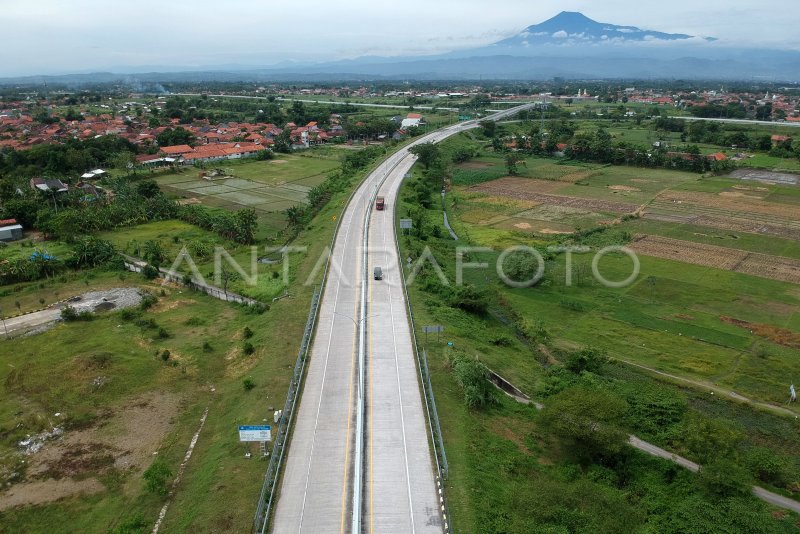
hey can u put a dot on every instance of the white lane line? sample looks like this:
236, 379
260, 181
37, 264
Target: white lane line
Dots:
397, 371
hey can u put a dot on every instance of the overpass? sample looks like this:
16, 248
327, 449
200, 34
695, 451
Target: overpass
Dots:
359, 458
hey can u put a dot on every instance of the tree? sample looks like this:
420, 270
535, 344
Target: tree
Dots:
587, 421
489, 128
725, 478
708, 438
123, 160
245, 224
427, 153
511, 163
177, 136
283, 142
91, 251
154, 252
148, 188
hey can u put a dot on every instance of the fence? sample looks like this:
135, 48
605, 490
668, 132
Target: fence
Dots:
136, 265
434, 415
267, 496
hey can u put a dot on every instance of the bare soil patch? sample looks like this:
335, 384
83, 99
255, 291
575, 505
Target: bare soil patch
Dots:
124, 439
278, 161
44, 491
763, 265
766, 176
623, 188
516, 183
781, 336
750, 188
527, 189
746, 204
551, 231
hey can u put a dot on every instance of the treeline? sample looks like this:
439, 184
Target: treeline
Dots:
600, 148
86, 251
67, 217
71, 158
727, 135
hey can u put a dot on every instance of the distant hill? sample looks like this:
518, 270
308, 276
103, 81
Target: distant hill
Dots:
569, 45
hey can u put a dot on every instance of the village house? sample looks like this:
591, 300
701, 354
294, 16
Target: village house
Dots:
10, 230
412, 120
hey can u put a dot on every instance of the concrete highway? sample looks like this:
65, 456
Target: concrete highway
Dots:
388, 467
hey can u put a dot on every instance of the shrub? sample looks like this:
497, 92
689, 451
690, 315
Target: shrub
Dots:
165, 355
502, 340
256, 309
573, 305
150, 272
148, 300
248, 348
473, 377
156, 477
248, 384
771, 468
247, 333
69, 314
129, 314
132, 525
588, 359
146, 323
471, 299
162, 333
207, 346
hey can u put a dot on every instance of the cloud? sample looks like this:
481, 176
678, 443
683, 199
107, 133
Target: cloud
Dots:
91, 35
560, 35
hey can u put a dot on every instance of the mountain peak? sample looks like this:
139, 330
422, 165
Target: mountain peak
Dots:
572, 27
570, 16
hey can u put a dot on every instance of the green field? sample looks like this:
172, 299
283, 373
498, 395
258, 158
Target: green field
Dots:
269, 187
506, 469
57, 373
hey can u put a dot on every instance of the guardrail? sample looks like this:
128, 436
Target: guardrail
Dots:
267, 496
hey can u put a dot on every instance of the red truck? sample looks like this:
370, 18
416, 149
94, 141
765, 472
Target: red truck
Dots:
379, 203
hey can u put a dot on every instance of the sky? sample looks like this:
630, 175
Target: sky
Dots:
69, 36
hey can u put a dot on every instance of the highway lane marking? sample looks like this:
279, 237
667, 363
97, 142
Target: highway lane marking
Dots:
399, 389
322, 389
371, 417
349, 418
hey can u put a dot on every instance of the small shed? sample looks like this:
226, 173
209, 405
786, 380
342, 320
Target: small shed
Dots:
10, 230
